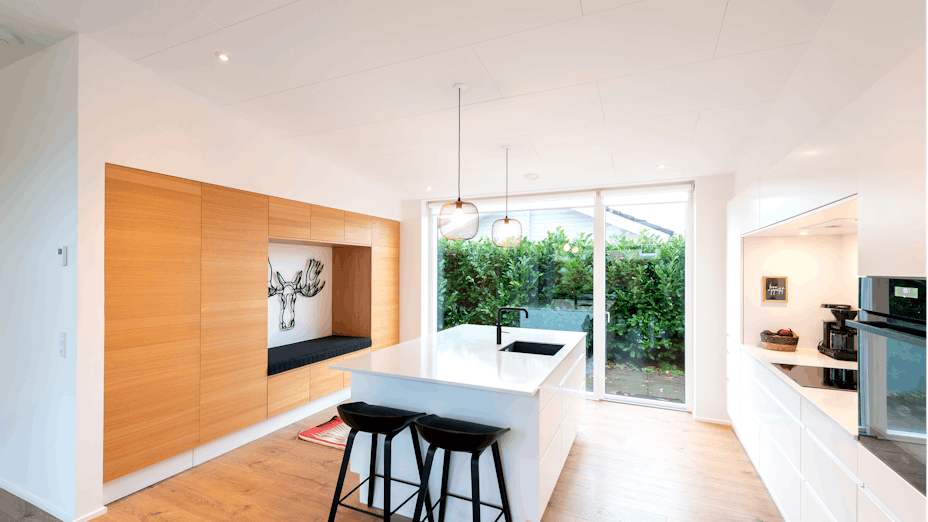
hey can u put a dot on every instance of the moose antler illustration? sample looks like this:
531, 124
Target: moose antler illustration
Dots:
287, 291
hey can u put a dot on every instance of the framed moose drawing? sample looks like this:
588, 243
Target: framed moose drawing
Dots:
776, 289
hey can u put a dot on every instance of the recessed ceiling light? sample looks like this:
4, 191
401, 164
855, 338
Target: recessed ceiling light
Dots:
531, 175
428, 188
803, 233
223, 57
661, 166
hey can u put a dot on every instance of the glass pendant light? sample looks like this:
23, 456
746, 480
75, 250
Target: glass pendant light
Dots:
507, 233
459, 220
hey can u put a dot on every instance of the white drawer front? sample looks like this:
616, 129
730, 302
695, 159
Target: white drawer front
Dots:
783, 392
750, 424
550, 470
781, 477
907, 503
830, 483
869, 510
811, 510
783, 428
549, 420
569, 430
841, 443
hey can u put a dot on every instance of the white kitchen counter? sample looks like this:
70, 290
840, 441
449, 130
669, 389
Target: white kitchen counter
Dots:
839, 405
468, 356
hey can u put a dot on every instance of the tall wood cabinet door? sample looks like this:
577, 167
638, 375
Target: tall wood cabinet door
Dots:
289, 219
152, 319
328, 224
385, 283
233, 362
357, 228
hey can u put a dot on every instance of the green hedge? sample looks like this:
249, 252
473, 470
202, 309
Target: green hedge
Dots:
644, 278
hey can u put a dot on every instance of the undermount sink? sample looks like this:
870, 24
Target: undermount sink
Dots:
532, 348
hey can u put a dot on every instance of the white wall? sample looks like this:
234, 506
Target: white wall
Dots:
313, 315
131, 116
414, 283
821, 269
710, 198
38, 298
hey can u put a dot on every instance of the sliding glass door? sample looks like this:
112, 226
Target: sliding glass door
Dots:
645, 250
612, 266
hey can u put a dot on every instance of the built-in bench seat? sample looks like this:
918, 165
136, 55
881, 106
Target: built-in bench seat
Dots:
304, 353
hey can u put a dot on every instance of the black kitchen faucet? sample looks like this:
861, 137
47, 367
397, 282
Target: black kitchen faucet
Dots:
499, 321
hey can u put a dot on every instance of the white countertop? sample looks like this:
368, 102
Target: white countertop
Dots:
839, 405
468, 356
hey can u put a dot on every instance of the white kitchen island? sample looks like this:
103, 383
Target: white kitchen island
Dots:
460, 373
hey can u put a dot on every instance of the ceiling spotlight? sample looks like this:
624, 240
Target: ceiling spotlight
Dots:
428, 188
222, 57
661, 166
803, 233
531, 175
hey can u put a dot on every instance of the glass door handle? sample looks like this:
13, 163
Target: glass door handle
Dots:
608, 318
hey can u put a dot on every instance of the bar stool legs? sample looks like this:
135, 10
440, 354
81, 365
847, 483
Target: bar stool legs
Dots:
475, 484
424, 501
444, 487
424, 487
503, 493
341, 475
387, 474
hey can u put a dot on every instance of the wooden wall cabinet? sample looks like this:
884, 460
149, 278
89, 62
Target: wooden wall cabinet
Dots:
328, 224
186, 310
287, 390
289, 219
324, 380
233, 347
357, 228
385, 283
151, 376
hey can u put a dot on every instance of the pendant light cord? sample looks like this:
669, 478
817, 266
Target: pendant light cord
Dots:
459, 144
507, 183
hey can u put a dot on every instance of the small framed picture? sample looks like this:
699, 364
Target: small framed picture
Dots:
776, 289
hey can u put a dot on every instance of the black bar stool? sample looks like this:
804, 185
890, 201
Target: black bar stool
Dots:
467, 437
376, 420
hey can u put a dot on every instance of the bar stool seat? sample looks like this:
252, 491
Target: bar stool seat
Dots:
376, 420
453, 435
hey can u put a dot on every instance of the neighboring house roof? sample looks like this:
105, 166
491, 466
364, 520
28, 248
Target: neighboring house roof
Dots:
645, 224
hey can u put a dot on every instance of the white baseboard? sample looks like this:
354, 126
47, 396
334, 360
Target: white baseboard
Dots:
92, 515
141, 479
34, 500
711, 421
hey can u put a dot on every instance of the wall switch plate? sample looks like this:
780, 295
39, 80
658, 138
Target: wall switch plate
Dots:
63, 255
63, 345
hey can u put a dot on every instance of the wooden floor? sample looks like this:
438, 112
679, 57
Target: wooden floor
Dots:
629, 463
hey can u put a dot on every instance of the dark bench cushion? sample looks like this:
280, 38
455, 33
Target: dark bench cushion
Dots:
288, 357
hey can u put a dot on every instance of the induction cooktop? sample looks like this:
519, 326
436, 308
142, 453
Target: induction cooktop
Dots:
819, 377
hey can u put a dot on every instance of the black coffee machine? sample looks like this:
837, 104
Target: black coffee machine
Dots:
838, 341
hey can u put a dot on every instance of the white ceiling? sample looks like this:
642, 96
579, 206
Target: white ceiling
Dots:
587, 92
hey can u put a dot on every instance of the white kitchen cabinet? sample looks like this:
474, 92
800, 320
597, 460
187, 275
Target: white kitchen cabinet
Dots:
811, 509
869, 510
782, 479
891, 224
899, 497
841, 444
781, 426
828, 480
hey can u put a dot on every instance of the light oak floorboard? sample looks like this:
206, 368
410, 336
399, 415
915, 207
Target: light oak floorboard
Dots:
608, 477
